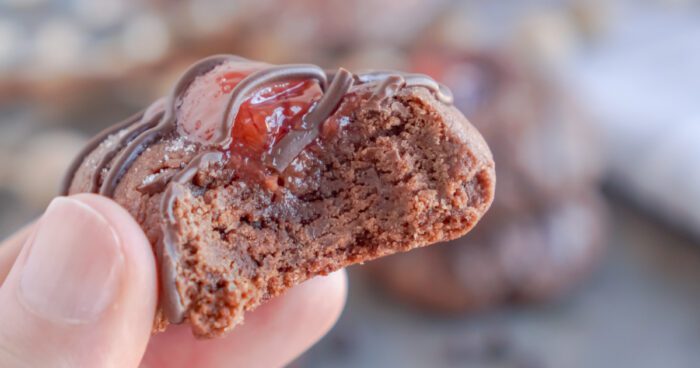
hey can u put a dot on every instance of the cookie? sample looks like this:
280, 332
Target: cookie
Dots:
250, 178
526, 260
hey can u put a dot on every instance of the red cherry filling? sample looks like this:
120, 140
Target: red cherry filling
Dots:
265, 117
262, 119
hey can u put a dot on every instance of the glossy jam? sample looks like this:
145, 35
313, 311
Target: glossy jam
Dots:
270, 113
262, 120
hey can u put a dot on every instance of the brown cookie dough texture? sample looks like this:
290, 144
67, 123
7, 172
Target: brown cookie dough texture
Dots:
545, 230
403, 169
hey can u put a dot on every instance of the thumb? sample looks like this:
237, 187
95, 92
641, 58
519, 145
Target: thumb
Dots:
82, 292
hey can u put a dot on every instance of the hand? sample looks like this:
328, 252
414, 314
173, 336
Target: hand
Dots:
78, 289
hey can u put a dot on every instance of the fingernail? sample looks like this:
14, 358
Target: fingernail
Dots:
73, 268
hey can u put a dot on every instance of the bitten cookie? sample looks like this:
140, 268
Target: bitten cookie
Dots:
250, 178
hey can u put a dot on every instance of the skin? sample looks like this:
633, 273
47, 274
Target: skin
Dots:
272, 336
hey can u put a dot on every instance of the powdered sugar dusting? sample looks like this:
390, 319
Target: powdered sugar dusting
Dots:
180, 145
113, 139
107, 145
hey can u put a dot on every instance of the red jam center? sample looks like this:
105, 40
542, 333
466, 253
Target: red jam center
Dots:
263, 118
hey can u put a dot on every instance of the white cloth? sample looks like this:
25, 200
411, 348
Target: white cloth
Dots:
643, 83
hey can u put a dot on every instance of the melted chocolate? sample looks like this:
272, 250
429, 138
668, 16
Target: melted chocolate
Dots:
148, 120
174, 309
441, 92
295, 141
91, 146
160, 120
166, 124
157, 183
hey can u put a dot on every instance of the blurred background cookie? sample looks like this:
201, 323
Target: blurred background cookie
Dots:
545, 230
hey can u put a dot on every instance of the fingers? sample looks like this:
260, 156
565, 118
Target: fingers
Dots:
110, 326
272, 335
9, 250
82, 291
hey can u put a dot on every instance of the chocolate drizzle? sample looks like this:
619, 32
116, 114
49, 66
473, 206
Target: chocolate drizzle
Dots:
148, 120
295, 141
157, 183
166, 124
91, 146
168, 256
142, 130
441, 92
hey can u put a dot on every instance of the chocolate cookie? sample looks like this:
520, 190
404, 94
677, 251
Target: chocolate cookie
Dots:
250, 178
529, 259
545, 229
